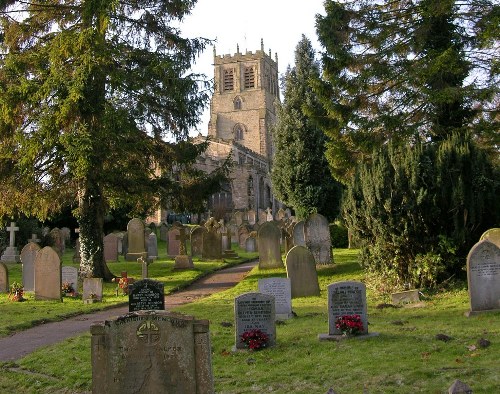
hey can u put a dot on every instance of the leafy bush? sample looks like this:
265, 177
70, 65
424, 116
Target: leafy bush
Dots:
339, 235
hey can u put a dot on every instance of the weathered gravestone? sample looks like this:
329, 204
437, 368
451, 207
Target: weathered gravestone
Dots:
92, 290
301, 270
151, 352
492, 235
28, 255
197, 241
70, 275
238, 218
281, 290
212, 242
135, 240
152, 246
251, 244
183, 260
174, 243
345, 298
298, 234
4, 278
262, 216
483, 277
254, 311
243, 232
317, 237
48, 275
57, 240
146, 294
252, 217
268, 243
110, 248
11, 254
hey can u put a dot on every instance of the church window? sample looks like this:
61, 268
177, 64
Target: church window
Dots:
249, 77
237, 103
228, 79
238, 132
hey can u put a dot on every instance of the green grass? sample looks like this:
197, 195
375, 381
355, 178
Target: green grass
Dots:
405, 358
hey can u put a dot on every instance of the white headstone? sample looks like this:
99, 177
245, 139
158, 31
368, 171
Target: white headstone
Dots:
281, 290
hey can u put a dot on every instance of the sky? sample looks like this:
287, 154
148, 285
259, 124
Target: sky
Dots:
280, 23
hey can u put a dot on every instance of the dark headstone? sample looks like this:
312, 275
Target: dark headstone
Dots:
146, 294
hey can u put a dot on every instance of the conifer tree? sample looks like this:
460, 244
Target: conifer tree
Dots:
89, 93
300, 173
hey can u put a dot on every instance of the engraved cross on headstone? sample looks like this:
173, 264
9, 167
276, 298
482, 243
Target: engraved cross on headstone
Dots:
12, 229
182, 240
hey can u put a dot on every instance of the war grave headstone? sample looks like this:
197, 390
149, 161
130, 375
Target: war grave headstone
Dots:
317, 237
92, 290
69, 275
11, 254
146, 294
254, 311
251, 244
48, 279
483, 277
298, 234
252, 217
346, 298
111, 248
28, 254
183, 260
492, 235
57, 241
301, 270
151, 352
4, 278
212, 244
152, 246
135, 240
268, 243
197, 241
281, 290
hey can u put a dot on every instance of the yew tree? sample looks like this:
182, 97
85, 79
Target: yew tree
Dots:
95, 98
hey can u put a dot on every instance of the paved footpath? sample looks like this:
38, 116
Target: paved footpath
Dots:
24, 342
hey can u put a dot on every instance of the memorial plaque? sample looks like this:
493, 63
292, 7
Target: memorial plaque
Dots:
146, 294
281, 290
255, 311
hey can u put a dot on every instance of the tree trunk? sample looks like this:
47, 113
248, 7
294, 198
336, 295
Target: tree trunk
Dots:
91, 220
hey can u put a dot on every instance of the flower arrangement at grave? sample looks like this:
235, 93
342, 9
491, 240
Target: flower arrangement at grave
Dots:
349, 324
123, 284
255, 339
67, 289
16, 292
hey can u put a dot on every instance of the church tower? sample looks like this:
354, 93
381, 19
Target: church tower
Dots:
242, 106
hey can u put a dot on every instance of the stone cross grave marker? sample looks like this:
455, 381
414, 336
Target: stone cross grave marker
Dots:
268, 243
11, 254
212, 242
281, 290
92, 290
254, 311
158, 352
317, 237
483, 277
34, 238
111, 248
135, 241
301, 270
345, 298
28, 254
4, 278
146, 294
70, 275
48, 279
228, 251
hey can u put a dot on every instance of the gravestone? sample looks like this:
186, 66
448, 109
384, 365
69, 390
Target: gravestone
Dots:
492, 235
183, 260
197, 241
48, 275
251, 244
262, 216
66, 235
243, 232
281, 290
174, 243
269, 215
483, 277
28, 255
268, 243
238, 218
317, 237
405, 297
254, 311
151, 352
152, 246
92, 290
212, 243
110, 248
135, 240
11, 254
146, 294
301, 270
57, 241
459, 387
252, 217
234, 233
298, 234
345, 298
34, 238
4, 278
120, 236
163, 232
70, 275
280, 215
229, 253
